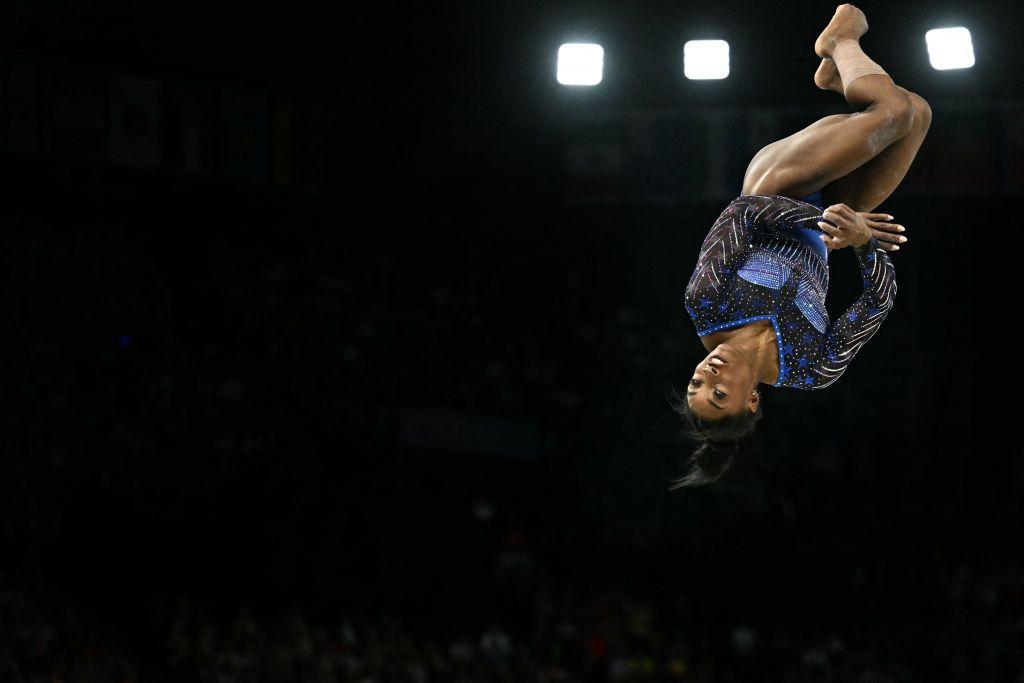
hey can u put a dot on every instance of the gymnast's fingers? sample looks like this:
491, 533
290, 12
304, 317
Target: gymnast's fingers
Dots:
829, 229
886, 235
890, 227
835, 216
833, 242
884, 243
877, 216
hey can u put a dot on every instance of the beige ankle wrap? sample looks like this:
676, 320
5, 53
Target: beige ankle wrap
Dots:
852, 63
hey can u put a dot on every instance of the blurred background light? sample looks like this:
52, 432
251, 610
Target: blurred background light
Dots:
950, 48
706, 59
580, 64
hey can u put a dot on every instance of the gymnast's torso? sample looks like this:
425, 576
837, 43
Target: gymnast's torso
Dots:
762, 263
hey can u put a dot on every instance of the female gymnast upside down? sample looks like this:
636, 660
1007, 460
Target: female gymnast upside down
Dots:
757, 295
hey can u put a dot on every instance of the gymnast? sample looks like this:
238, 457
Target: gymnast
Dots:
757, 295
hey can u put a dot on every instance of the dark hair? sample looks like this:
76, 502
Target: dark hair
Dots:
719, 442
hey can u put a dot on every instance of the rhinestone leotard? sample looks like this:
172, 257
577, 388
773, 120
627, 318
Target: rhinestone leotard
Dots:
756, 265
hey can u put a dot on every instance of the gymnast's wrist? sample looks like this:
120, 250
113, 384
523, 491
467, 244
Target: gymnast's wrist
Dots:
870, 245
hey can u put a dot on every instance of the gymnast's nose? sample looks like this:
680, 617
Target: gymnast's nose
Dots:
713, 364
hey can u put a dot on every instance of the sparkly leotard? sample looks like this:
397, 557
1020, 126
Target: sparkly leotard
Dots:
757, 263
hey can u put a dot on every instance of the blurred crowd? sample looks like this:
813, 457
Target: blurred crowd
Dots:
974, 633
51, 639
562, 635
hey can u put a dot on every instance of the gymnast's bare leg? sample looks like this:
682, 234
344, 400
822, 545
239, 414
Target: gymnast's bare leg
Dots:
867, 187
857, 159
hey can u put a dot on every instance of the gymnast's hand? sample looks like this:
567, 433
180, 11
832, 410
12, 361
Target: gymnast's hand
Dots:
889, 235
849, 228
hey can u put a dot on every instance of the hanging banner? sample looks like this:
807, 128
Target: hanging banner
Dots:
25, 122
192, 124
135, 122
79, 98
312, 139
1012, 150
283, 142
245, 130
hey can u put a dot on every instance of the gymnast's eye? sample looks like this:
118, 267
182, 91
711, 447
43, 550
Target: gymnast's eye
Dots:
719, 394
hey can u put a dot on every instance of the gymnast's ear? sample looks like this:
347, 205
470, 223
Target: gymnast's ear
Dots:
754, 400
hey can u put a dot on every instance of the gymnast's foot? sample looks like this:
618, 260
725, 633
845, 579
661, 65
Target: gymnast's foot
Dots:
848, 23
827, 76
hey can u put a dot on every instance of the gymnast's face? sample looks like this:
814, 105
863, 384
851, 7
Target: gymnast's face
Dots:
722, 385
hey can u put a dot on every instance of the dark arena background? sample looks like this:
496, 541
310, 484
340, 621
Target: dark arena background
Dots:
338, 343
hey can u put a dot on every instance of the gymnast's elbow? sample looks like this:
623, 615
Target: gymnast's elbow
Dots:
881, 298
692, 298
888, 298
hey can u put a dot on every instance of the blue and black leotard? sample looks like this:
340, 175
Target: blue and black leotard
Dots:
763, 259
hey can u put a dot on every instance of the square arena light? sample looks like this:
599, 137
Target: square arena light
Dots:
580, 64
950, 48
706, 59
